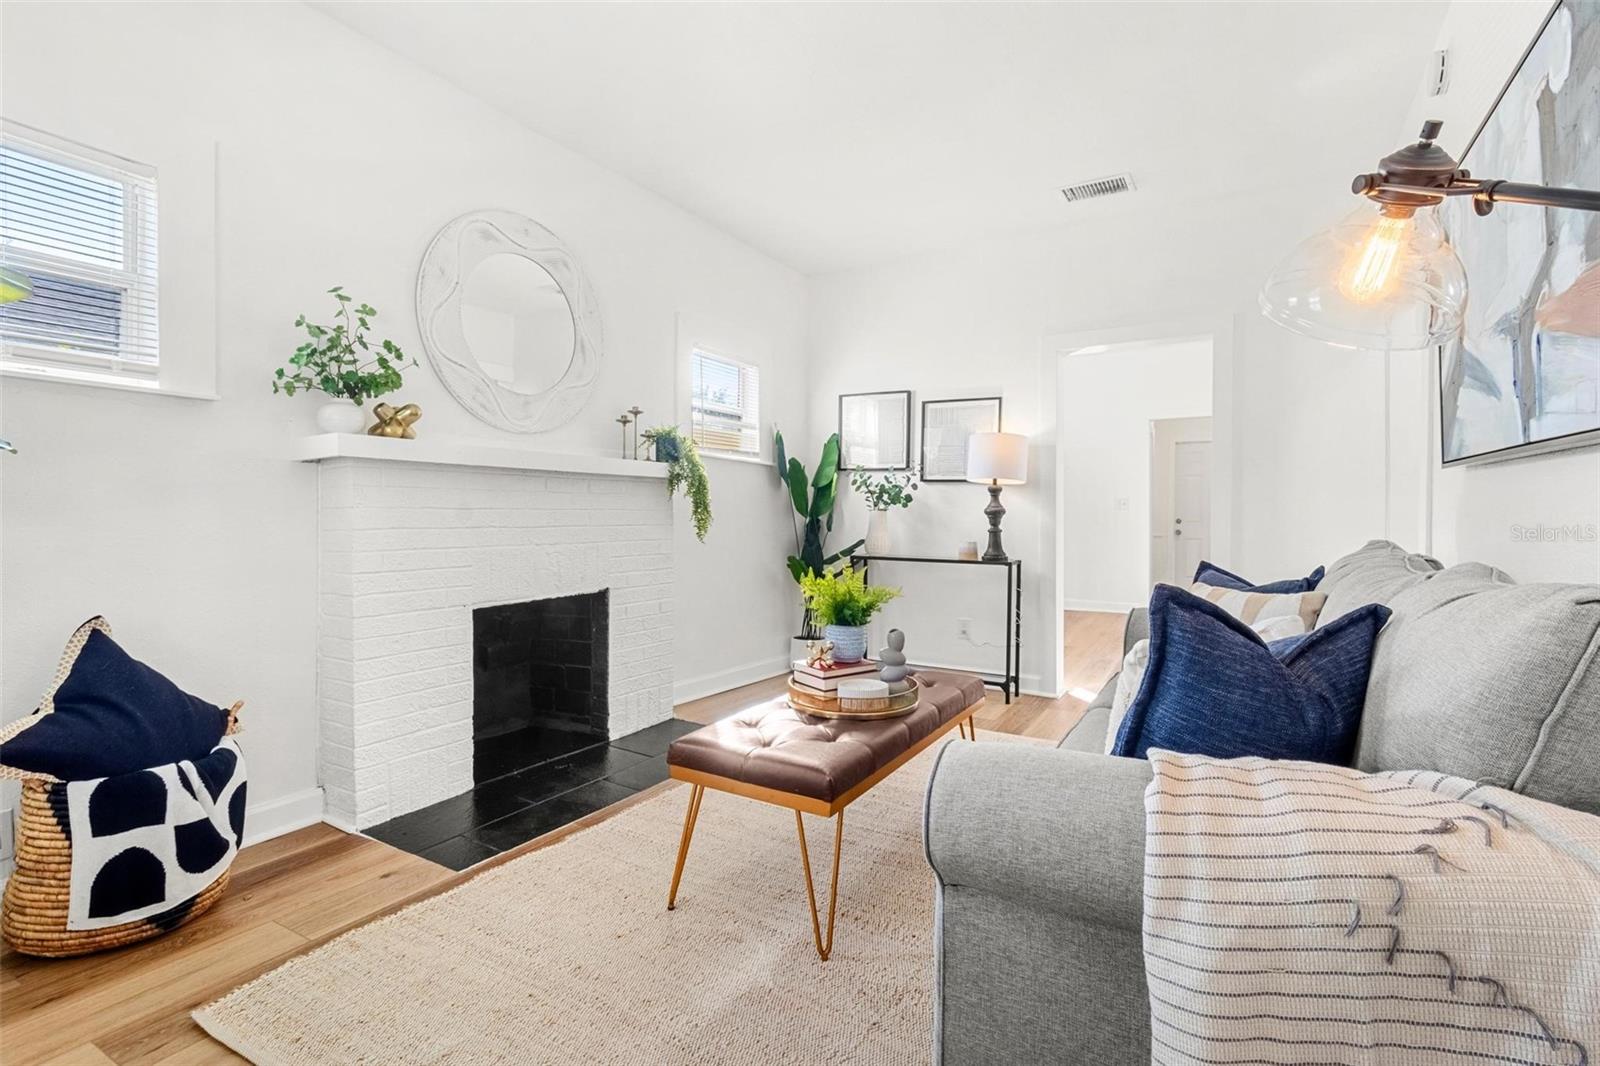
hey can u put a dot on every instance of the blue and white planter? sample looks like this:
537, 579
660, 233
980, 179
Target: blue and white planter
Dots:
849, 642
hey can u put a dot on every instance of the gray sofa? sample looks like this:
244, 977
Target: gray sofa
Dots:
1039, 853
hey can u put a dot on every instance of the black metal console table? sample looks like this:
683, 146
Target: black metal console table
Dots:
1011, 681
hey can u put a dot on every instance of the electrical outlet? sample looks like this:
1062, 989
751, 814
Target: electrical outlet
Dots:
1122, 503
964, 628
8, 839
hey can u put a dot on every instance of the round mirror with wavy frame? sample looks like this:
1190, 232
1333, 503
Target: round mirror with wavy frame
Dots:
509, 321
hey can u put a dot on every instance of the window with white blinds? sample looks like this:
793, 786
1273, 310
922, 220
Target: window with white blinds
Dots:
81, 225
724, 404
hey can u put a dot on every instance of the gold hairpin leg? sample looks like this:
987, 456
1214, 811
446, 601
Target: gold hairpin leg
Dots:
824, 947
696, 794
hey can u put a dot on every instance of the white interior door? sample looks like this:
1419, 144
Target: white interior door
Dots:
1191, 505
1180, 498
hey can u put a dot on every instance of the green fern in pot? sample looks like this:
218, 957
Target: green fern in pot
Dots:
842, 603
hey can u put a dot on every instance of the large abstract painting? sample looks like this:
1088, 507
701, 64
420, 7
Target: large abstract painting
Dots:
1524, 377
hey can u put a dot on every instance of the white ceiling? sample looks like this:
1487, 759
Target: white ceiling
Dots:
832, 135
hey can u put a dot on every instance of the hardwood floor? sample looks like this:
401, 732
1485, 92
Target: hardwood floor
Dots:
302, 889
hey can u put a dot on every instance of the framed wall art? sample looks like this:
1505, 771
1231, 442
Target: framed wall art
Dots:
875, 430
1524, 376
946, 425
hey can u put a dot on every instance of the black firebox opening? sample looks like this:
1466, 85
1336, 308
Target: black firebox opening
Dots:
539, 681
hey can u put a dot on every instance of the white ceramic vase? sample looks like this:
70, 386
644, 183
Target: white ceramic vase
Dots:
878, 541
341, 416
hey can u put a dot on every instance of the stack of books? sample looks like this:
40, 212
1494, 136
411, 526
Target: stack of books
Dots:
822, 680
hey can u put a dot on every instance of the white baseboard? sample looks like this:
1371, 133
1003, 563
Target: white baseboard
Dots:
1028, 684
263, 821
694, 688
340, 824
1100, 606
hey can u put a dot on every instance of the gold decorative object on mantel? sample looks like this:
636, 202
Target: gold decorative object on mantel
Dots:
395, 421
819, 652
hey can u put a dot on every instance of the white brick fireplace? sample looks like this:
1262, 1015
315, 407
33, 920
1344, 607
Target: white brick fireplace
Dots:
413, 535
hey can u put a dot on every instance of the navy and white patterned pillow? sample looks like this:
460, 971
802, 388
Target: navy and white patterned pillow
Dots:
109, 714
1208, 573
146, 843
1214, 687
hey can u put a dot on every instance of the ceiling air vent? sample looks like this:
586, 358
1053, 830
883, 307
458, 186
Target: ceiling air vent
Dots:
1091, 190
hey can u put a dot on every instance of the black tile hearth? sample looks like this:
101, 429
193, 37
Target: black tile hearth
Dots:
642, 775
497, 756
656, 739
458, 853
525, 801
541, 818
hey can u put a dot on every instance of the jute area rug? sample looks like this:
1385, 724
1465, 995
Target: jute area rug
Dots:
569, 955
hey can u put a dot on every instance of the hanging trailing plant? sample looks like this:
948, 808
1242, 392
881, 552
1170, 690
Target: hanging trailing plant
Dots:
685, 472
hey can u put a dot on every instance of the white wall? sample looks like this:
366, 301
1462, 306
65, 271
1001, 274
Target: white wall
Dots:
182, 521
1107, 402
1321, 448
987, 319
1477, 510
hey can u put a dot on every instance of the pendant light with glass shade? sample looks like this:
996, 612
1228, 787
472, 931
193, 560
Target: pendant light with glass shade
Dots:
1385, 277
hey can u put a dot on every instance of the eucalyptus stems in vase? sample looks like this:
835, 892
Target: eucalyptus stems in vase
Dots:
881, 491
339, 361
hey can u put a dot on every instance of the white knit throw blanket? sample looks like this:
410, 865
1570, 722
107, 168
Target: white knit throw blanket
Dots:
1302, 913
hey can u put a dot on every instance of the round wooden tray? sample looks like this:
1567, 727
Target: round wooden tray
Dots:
895, 706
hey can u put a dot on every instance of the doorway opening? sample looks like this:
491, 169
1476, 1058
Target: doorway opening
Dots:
1135, 485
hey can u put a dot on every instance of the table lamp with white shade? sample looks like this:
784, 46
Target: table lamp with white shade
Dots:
996, 459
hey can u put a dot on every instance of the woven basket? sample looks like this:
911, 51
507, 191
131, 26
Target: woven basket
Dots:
33, 913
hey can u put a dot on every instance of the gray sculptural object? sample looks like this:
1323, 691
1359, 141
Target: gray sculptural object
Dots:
893, 659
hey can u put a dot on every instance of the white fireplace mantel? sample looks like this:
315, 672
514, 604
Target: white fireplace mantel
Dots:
413, 536
463, 453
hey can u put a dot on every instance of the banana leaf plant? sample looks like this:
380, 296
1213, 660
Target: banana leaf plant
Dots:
812, 498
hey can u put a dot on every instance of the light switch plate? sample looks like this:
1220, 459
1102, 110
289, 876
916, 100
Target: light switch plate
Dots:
8, 834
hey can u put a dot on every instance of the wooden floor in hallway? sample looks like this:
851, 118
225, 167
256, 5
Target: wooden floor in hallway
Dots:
307, 887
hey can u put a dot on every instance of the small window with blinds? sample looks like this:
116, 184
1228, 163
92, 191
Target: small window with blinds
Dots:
80, 226
724, 404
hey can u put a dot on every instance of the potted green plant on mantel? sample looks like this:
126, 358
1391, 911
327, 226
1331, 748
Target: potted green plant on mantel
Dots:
684, 471
812, 498
339, 361
881, 492
843, 603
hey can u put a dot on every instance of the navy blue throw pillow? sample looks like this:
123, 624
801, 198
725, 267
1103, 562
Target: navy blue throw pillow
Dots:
1215, 576
1214, 688
114, 715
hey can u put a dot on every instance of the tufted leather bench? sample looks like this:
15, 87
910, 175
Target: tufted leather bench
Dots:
773, 753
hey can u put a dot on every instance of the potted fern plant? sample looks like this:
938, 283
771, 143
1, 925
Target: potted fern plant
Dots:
339, 361
843, 603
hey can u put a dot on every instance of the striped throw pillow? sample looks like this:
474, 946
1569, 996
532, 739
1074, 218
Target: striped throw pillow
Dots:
1273, 615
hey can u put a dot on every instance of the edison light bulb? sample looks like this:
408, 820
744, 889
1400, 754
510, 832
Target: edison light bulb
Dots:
1375, 279
1373, 269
